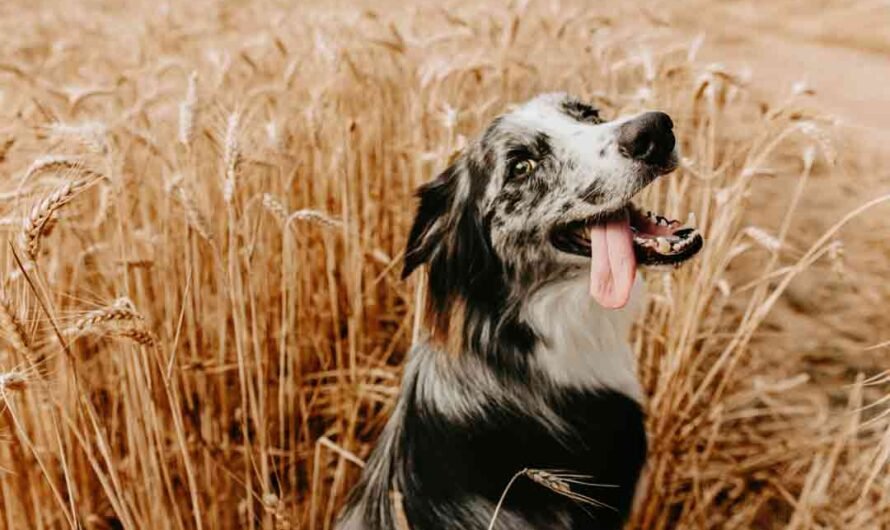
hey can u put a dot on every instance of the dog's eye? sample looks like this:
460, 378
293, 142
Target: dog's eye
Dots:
522, 168
589, 114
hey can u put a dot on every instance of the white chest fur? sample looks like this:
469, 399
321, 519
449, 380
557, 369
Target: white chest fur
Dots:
584, 345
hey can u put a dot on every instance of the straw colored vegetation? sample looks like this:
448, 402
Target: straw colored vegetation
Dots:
204, 206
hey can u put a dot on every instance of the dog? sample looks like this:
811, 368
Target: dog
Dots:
531, 246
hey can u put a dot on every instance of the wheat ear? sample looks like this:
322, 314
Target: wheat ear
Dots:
12, 382
12, 328
188, 112
231, 156
136, 334
195, 219
92, 134
314, 216
58, 163
275, 507
35, 223
276, 208
556, 482
121, 309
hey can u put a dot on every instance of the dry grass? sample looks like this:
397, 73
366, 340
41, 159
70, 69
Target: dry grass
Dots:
265, 352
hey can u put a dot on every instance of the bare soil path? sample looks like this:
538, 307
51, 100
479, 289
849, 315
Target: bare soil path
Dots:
841, 50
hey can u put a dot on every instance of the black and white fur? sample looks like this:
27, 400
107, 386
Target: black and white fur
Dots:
519, 367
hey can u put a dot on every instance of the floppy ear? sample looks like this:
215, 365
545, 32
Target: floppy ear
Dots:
431, 220
452, 237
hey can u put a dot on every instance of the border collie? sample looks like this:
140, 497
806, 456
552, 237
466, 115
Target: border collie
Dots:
531, 247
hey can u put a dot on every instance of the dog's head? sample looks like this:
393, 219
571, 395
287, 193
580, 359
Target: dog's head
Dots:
528, 199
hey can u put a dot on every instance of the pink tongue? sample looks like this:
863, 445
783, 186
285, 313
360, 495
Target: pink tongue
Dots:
613, 266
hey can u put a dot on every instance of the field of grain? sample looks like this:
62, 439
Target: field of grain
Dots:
204, 206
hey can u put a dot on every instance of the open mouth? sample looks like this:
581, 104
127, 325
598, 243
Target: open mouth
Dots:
657, 240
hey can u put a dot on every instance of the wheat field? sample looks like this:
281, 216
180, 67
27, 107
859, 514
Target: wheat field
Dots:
204, 206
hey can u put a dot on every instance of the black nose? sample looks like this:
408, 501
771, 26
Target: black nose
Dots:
648, 138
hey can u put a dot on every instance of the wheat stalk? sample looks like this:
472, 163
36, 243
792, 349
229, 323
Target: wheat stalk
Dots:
398, 506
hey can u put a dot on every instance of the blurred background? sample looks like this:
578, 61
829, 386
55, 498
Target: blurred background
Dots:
204, 206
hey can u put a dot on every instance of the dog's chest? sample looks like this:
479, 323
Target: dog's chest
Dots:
583, 346
469, 464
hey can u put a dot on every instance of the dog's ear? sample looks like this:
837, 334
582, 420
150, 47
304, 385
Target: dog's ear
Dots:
430, 222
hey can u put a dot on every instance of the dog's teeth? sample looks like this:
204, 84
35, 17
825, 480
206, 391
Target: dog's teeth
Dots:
691, 222
664, 246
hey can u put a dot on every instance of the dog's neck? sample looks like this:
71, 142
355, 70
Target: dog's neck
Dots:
571, 343
581, 344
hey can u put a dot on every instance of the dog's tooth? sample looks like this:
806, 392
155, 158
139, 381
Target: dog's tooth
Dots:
688, 238
692, 221
644, 242
664, 246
